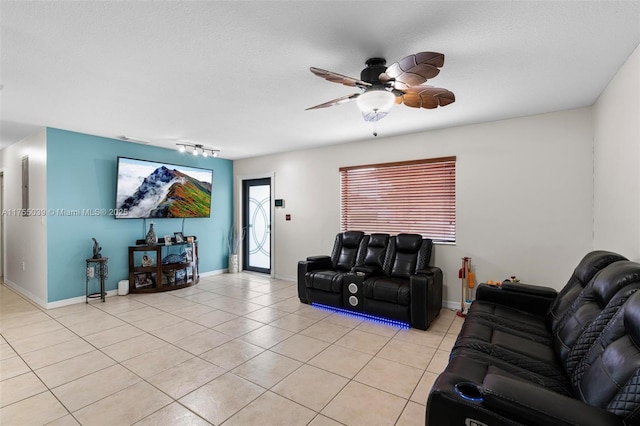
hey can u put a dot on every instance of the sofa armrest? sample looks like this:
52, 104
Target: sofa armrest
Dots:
429, 271
303, 267
313, 263
532, 404
518, 296
535, 290
319, 262
426, 296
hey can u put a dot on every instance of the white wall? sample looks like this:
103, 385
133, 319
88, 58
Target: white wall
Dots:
617, 165
524, 195
1, 223
26, 237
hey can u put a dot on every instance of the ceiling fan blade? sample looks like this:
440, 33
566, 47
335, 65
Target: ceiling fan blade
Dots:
337, 101
339, 78
414, 70
427, 97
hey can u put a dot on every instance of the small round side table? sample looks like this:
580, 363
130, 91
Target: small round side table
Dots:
96, 270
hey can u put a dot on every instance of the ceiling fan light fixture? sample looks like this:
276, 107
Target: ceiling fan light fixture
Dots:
375, 104
401, 82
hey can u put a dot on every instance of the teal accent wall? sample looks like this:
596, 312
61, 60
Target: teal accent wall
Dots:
81, 175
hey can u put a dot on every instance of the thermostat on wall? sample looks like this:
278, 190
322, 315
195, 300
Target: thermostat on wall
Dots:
279, 202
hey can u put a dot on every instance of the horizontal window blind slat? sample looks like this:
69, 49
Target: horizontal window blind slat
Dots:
412, 197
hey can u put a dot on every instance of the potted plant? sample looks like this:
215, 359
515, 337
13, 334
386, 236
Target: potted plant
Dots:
234, 239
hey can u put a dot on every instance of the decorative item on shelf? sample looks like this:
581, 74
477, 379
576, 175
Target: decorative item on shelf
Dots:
147, 260
179, 237
151, 239
145, 280
96, 249
188, 254
171, 277
234, 239
173, 258
514, 279
167, 240
181, 276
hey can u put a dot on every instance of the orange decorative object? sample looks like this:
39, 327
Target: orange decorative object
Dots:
490, 282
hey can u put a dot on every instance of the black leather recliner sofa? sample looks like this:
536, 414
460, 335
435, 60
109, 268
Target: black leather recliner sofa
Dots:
389, 277
528, 356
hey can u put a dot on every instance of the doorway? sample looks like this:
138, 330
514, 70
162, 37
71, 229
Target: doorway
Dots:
256, 221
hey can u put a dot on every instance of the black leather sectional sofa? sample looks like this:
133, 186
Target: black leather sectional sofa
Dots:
527, 355
377, 274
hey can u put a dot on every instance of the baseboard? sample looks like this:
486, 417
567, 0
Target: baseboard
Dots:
74, 300
450, 304
32, 297
81, 299
286, 278
51, 305
215, 272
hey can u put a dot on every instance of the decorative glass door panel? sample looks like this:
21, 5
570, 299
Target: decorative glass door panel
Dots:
257, 222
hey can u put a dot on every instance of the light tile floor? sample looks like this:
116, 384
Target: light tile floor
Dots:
236, 349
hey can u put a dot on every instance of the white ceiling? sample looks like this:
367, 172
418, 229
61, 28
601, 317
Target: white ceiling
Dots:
234, 75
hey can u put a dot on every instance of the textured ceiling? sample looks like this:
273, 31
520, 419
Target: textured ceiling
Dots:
234, 75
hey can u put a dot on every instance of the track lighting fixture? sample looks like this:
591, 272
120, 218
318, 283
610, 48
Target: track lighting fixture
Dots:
197, 149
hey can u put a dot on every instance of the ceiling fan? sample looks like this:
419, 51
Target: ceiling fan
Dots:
400, 83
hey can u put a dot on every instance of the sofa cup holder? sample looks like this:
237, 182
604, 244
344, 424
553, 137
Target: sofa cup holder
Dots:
469, 391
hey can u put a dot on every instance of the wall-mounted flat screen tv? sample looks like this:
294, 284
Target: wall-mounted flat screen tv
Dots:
149, 189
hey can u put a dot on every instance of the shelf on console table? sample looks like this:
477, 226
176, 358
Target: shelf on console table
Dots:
147, 273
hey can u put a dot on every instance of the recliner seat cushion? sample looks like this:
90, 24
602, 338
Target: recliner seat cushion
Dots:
387, 290
330, 281
474, 366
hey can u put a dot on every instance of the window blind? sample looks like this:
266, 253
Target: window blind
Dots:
412, 197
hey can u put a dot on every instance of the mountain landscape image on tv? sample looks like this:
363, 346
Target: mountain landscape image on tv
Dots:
147, 189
